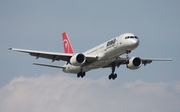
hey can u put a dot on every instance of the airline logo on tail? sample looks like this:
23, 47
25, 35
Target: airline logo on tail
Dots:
67, 45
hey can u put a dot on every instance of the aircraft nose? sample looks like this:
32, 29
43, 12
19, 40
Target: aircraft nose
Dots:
134, 42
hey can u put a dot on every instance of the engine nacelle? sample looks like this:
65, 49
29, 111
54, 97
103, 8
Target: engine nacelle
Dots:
134, 63
77, 59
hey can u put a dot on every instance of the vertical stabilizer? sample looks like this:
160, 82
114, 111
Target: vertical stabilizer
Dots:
67, 45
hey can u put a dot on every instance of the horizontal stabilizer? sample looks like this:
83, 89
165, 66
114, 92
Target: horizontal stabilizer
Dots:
54, 66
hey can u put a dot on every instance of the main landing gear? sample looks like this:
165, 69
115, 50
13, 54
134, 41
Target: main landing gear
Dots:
81, 73
114, 75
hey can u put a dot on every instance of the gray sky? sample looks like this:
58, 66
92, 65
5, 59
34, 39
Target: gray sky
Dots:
38, 25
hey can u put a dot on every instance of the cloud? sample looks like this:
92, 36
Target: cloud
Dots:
62, 93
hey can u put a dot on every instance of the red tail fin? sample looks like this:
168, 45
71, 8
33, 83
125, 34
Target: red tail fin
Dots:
67, 45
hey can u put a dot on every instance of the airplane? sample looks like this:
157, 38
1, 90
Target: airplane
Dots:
107, 54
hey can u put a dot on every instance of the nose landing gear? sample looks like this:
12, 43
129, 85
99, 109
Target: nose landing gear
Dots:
127, 54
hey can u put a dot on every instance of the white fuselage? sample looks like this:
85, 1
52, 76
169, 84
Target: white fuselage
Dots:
107, 52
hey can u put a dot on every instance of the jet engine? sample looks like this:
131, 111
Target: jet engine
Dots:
134, 63
77, 59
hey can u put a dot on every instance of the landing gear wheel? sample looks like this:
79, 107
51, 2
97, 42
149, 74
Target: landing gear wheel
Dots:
112, 76
81, 74
78, 75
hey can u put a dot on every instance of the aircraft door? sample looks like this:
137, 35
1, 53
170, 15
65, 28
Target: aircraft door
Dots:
116, 42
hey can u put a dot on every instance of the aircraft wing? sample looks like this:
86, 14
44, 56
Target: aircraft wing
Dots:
149, 60
54, 56
122, 60
48, 55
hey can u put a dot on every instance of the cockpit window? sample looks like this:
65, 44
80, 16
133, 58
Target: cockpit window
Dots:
131, 37
127, 37
136, 37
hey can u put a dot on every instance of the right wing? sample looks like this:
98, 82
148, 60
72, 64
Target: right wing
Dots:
54, 56
48, 55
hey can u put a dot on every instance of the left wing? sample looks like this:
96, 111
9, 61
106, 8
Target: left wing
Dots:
149, 60
123, 60
54, 56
